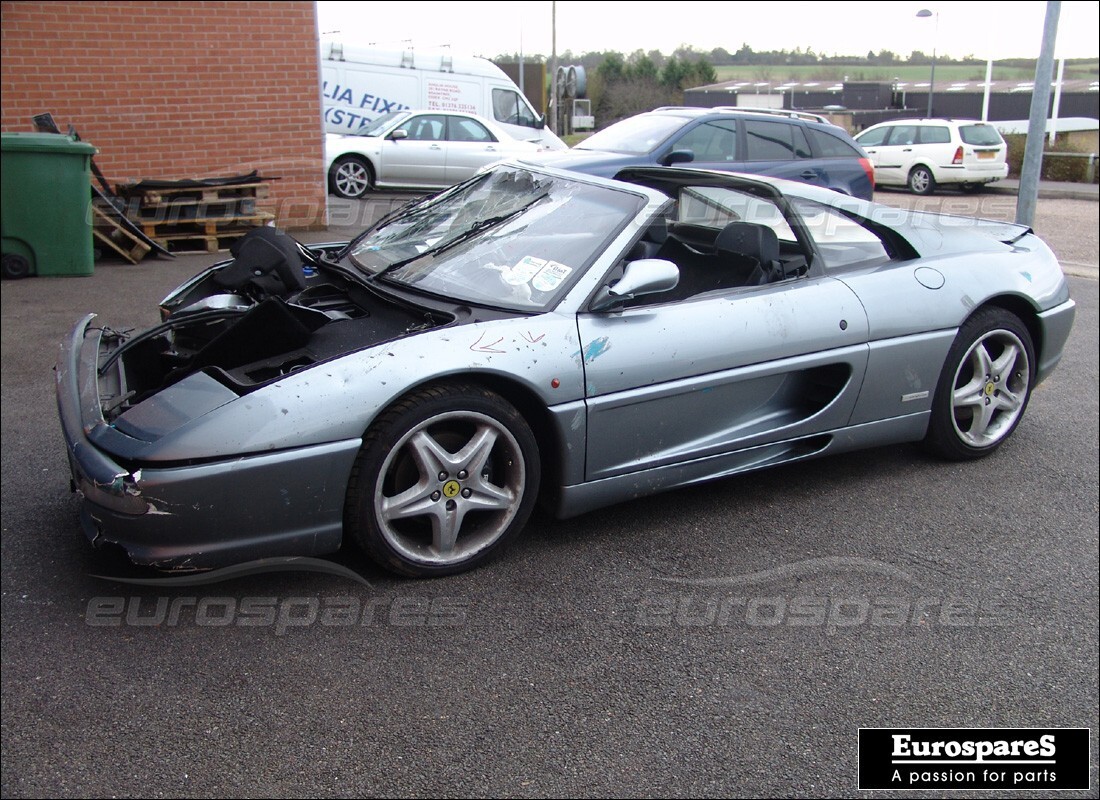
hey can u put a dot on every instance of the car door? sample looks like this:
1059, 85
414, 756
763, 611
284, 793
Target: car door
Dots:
713, 145
872, 142
897, 154
737, 376
470, 146
780, 149
420, 157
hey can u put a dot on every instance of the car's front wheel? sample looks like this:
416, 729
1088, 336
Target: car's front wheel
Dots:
445, 477
351, 177
921, 181
984, 387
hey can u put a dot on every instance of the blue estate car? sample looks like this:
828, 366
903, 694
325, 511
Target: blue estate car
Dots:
783, 144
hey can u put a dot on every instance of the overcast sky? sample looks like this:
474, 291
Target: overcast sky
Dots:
983, 29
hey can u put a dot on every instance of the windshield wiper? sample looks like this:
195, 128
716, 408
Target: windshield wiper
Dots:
478, 227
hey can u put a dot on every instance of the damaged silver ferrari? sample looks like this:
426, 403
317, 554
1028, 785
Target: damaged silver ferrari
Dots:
535, 335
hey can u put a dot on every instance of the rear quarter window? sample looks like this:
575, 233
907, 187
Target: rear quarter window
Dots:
829, 146
981, 135
935, 134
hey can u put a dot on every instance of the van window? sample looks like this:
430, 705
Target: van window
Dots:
511, 109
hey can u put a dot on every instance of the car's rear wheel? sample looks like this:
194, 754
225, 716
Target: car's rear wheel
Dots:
984, 387
921, 181
351, 177
444, 479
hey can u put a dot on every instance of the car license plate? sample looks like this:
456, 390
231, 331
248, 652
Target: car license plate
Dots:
987, 154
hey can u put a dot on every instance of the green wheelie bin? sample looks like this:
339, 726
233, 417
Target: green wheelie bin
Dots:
45, 205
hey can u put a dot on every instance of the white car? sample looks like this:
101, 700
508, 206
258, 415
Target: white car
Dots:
922, 153
416, 150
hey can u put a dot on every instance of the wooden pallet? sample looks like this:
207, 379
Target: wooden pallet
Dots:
189, 211
197, 243
204, 226
116, 237
192, 195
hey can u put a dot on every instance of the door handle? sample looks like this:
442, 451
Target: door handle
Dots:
490, 149
807, 175
435, 147
907, 150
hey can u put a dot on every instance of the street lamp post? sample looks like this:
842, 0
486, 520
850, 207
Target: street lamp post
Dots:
925, 13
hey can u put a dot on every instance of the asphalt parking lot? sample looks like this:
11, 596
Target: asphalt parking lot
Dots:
725, 640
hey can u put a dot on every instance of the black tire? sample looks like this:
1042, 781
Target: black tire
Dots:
15, 266
457, 504
984, 386
351, 177
921, 180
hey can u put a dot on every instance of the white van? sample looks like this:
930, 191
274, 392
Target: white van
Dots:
359, 83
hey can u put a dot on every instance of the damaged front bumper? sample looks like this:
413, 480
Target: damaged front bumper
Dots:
195, 515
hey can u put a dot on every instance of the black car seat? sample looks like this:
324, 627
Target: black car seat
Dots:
649, 246
756, 247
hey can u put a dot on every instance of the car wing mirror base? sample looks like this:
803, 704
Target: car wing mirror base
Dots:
677, 157
647, 276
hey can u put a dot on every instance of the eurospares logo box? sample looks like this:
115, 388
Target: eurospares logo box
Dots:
1005, 759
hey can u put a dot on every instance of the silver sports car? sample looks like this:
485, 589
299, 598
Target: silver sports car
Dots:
532, 334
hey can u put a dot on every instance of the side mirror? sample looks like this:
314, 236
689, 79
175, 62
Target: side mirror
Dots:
400, 133
648, 276
678, 157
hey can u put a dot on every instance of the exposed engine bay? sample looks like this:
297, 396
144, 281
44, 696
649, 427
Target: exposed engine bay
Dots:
274, 309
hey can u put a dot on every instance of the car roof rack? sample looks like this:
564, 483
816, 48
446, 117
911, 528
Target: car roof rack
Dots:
779, 112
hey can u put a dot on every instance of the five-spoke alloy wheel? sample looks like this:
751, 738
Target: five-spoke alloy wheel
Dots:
444, 478
984, 387
351, 177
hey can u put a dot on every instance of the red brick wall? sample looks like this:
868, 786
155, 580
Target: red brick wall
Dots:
176, 89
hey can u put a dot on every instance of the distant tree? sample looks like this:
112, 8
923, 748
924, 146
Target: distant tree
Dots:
673, 74
612, 69
641, 66
720, 55
704, 73
744, 54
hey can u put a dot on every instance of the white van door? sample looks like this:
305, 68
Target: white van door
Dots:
354, 95
512, 112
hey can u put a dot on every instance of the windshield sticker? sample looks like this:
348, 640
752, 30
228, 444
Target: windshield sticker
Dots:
523, 271
551, 276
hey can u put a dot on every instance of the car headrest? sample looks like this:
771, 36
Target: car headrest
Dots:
749, 239
266, 259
